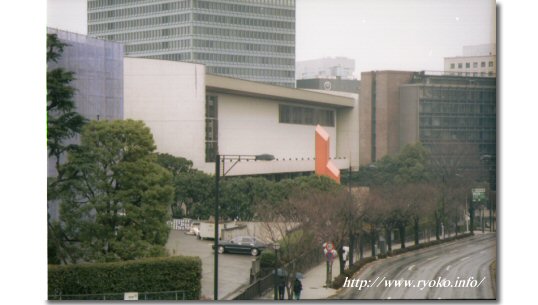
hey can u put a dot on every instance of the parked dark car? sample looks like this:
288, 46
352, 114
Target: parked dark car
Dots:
241, 244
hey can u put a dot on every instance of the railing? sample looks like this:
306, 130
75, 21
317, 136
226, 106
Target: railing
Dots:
257, 289
261, 286
161, 295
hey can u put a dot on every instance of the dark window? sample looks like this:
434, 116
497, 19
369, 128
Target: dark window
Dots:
306, 115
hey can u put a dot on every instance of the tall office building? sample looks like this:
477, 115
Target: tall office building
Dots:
247, 39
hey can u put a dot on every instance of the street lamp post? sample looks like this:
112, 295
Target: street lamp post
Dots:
218, 159
276, 246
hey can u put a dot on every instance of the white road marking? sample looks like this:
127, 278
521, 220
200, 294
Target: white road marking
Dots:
431, 258
465, 258
411, 268
447, 267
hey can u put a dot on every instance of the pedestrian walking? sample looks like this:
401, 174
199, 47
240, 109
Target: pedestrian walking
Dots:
281, 290
297, 287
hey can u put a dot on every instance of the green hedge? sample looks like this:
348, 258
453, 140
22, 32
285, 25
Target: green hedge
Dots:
144, 275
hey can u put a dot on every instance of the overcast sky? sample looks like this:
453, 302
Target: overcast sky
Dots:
378, 34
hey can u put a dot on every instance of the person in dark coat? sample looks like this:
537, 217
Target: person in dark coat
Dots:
297, 288
281, 290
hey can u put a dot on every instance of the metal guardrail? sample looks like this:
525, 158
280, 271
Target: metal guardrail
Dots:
261, 286
257, 288
161, 295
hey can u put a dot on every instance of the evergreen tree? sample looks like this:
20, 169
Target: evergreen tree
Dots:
117, 203
63, 123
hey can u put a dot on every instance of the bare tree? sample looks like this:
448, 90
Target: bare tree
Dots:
457, 168
421, 199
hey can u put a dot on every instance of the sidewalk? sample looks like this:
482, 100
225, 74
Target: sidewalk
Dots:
313, 283
314, 279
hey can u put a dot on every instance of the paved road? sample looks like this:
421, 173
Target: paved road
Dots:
234, 269
470, 257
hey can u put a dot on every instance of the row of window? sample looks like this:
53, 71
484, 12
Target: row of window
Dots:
468, 65
101, 3
305, 115
138, 10
473, 136
244, 59
481, 74
457, 108
243, 34
163, 45
458, 122
267, 2
130, 24
145, 35
458, 94
172, 57
243, 46
248, 72
244, 21
265, 11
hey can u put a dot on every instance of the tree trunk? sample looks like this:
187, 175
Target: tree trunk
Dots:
471, 212
361, 246
341, 258
456, 226
401, 228
372, 242
417, 229
389, 239
351, 249
437, 227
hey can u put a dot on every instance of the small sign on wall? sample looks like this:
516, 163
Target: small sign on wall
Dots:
130, 296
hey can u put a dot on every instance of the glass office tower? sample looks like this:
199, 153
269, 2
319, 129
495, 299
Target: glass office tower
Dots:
247, 39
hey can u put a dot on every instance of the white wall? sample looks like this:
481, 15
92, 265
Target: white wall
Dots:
347, 134
170, 98
249, 125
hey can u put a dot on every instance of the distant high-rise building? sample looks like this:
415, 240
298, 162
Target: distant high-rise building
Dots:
247, 39
477, 60
338, 67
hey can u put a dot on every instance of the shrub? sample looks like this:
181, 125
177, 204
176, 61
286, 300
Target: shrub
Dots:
267, 259
145, 275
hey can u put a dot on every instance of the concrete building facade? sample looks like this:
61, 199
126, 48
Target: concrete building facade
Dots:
246, 39
443, 109
330, 67
330, 84
98, 70
400, 108
379, 113
194, 114
477, 61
